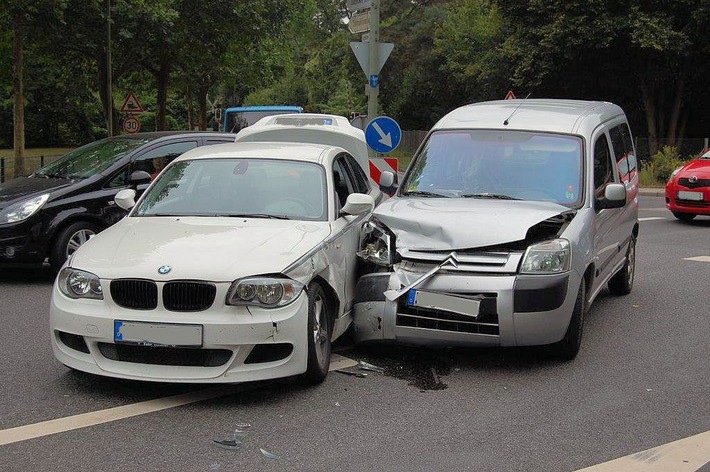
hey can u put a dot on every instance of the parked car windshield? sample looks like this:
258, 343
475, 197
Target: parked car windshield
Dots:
89, 160
495, 164
255, 188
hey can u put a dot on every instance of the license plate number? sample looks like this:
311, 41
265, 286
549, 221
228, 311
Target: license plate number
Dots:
157, 334
445, 302
686, 195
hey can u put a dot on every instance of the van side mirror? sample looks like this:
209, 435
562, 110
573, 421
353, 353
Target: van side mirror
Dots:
388, 182
139, 177
126, 198
614, 197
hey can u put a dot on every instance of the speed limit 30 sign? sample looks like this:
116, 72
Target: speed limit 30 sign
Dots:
131, 125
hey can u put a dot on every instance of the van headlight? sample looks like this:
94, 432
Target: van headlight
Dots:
75, 283
23, 210
268, 292
547, 257
377, 244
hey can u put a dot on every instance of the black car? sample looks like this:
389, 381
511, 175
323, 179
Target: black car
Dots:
50, 213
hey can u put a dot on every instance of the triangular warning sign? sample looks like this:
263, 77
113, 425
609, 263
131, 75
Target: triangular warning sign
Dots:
510, 95
131, 104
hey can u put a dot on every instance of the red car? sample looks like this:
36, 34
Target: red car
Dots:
688, 190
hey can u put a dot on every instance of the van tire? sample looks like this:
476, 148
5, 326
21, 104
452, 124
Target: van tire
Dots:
68, 240
623, 281
568, 347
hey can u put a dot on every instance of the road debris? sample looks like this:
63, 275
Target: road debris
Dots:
354, 374
239, 436
372, 368
269, 455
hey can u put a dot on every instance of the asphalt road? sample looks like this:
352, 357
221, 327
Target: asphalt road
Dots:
641, 380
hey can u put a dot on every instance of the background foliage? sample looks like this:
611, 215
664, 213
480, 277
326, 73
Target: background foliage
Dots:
185, 59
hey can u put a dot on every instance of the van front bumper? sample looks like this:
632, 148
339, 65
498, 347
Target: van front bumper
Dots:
515, 310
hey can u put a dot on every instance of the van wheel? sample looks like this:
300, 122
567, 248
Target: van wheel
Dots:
623, 281
684, 216
68, 241
568, 348
320, 331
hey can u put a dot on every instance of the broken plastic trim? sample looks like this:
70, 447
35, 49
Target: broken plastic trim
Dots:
451, 260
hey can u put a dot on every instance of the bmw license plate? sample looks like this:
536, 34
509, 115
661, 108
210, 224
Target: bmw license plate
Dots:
445, 302
686, 195
157, 334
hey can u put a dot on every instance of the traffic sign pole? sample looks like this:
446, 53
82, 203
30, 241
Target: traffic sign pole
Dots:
374, 60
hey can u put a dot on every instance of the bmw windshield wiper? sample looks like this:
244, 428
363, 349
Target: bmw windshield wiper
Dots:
493, 196
424, 193
253, 215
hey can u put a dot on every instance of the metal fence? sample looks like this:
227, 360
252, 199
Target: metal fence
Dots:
32, 163
411, 141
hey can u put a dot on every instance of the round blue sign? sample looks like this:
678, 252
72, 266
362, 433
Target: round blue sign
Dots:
383, 134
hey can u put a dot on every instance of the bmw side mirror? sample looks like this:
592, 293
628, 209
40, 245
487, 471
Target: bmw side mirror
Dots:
126, 198
358, 203
139, 177
614, 197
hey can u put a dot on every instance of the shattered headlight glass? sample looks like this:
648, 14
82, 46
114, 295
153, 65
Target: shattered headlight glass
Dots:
268, 292
547, 257
75, 283
377, 244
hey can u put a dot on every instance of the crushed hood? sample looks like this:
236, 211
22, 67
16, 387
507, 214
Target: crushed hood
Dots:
214, 249
441, 224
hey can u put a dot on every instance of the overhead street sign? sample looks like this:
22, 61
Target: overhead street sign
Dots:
362, 50
131, 104
383, 134
355, 5
359, 22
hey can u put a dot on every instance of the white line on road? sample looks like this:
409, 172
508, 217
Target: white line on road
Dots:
650, 218
684, 455
83, 420
698, 259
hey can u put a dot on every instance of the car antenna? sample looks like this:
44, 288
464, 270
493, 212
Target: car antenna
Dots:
507, 120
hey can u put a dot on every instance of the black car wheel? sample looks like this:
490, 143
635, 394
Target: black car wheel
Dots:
684, 216
623, 281
568, 348
68, 240
320, 331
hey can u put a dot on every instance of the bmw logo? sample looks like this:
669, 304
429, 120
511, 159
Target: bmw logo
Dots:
164, 269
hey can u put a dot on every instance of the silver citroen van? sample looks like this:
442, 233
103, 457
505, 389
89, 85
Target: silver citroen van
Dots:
511, 218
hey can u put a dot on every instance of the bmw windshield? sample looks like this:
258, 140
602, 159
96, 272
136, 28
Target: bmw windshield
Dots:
89, 160
504, 165
238, 187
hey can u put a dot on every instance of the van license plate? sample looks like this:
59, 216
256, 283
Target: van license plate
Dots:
444, 302
686, 195
157, 334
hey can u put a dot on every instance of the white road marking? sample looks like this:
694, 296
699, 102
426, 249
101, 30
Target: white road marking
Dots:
684, 455
654, 209
84, 420
650, 218
698, 259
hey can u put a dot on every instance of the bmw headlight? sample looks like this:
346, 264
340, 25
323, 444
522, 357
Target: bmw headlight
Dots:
75, 283
268, 292
377, 244
22, 210
547, 257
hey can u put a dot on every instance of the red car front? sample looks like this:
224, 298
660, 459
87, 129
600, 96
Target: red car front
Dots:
688, 190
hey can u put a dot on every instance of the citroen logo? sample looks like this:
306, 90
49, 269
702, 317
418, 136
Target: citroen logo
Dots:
693, 179
164, 269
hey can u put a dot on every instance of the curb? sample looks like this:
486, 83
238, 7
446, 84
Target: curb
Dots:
653, 192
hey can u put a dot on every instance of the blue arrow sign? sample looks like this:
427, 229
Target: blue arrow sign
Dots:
374, 80
383, 134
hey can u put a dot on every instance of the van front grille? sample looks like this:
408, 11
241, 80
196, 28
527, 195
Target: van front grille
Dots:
440, 320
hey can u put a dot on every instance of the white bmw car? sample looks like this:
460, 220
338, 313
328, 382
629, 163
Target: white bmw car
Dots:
237, 264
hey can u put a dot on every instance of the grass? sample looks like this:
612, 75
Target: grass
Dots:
648, 180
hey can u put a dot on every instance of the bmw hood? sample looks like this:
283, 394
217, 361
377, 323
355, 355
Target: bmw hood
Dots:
213, 249
444, 224
27, 187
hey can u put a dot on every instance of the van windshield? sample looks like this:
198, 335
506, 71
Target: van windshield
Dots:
498, 164
89, 160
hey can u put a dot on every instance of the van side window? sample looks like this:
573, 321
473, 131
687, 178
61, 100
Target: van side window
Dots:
623, 151
603, 173
120, 179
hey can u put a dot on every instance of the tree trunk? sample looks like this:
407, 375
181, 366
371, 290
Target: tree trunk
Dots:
18, 95
107, 104
188, 101
675, 113
160, 115
651, 125
202, 106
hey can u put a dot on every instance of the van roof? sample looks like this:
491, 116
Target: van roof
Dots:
554, 115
